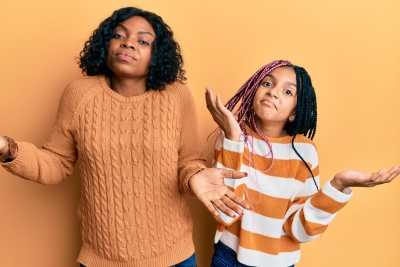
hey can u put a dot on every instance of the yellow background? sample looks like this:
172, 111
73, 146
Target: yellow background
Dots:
350, 48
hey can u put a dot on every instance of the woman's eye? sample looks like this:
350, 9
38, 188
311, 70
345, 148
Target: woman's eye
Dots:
118, 36
143, 42
287, 92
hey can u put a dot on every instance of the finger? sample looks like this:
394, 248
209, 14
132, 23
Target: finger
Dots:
392, 173
208, 98
210, 207
238, 200
223, 208
211, 106
232, 174
232, 205
218, 103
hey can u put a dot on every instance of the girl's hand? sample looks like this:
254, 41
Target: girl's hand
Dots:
353, 178
208, 186
223, 117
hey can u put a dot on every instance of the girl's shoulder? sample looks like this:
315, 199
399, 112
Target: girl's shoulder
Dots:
303, 139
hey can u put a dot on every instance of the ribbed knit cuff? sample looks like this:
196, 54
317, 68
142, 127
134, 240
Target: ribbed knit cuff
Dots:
332, 192
188, 174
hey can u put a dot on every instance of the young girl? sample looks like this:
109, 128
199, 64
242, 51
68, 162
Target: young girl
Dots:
132, 123
269, 137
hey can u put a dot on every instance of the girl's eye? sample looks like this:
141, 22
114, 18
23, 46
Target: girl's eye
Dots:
267, 84
287, 92
118, 36
143, 42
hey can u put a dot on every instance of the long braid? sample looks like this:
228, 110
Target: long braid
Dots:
306, 112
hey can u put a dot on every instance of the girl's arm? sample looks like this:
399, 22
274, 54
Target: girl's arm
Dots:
55, 160
229, 156
310, 212
207, 184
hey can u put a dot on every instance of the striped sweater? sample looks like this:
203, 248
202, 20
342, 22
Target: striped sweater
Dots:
287, 207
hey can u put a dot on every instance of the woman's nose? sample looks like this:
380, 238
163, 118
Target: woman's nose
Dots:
127, 44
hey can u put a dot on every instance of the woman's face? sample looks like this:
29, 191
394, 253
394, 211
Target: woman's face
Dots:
129, 50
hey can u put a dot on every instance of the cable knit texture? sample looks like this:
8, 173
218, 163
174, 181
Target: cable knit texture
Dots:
136, 155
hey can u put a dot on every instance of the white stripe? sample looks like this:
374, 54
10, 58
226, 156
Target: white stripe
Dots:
298, 230
312, 214
259, 224
292, 209
268, 185
338, 196
285, 151
258, 258
309, 187
233, 146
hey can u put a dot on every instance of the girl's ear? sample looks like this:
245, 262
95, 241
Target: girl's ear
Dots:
292, 117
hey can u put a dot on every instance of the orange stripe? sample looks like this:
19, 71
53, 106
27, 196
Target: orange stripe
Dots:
311, 228
262, 243
285, 168
288, 244
265, 205
326, 203
230, 159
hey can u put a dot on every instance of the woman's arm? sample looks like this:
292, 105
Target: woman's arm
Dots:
55, 160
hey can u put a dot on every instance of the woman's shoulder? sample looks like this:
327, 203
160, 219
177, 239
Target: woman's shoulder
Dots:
78, 88
84, 83
177, 87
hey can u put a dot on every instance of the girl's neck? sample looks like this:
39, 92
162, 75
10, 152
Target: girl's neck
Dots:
126, 86
273, 130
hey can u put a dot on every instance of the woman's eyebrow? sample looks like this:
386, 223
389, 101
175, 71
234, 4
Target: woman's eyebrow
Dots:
144, 32
122, 26
140, 32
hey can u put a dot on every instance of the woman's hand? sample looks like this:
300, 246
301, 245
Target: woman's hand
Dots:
223, 117
208, 186
3, 145
353, 178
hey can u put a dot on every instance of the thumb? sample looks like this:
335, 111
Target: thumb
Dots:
231, 174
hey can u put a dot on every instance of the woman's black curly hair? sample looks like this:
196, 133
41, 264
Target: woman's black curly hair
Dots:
166, 65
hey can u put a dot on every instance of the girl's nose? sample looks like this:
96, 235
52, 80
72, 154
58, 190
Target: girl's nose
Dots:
272, 92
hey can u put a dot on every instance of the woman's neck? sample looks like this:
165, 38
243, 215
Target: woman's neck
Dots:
126, 86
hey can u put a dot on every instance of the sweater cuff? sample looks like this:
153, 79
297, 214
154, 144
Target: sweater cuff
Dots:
17, 162
188, 174
233, 146
335, 194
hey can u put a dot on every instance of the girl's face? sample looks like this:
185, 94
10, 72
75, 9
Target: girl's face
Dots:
129, 51
276, 98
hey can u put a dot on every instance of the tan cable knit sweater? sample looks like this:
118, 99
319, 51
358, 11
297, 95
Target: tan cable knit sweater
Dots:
136, 155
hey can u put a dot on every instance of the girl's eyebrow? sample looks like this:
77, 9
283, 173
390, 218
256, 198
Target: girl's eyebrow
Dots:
140, 32
272, 77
